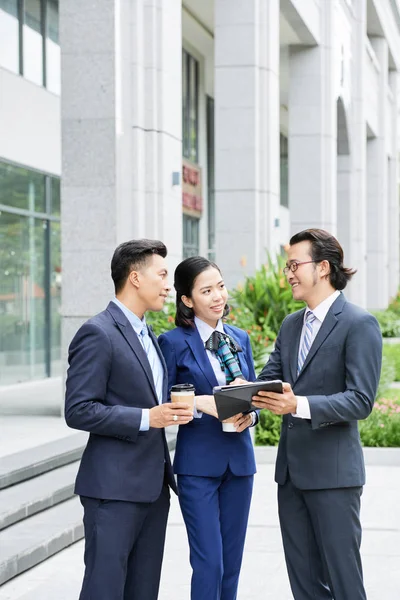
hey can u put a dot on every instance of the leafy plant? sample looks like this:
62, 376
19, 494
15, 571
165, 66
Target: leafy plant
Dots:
164, 320
267, 295
382, 427
389, 322
391, 352
268, 429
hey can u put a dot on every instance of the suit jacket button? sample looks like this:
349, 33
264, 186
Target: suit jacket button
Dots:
290, 426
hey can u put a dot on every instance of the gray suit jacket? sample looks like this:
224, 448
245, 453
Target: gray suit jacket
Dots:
340, 378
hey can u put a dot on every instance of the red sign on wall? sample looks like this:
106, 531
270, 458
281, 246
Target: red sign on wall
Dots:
191, 187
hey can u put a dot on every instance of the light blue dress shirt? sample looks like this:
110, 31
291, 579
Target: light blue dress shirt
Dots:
154, 360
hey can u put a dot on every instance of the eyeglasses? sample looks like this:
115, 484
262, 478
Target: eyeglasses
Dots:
295, 265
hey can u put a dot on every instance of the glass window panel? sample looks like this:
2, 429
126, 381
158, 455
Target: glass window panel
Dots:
55, 196
33, 42
22, 298
185, 105
284, 171
55, 297
190, 236
22, 188
193, 110
9, 35
53, 75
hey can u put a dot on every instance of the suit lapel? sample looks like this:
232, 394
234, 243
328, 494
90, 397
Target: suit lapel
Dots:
129, 334
196, 345
297, 326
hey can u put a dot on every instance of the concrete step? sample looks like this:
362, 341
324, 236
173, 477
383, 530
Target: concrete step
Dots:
36, 538
26, 464
30, 497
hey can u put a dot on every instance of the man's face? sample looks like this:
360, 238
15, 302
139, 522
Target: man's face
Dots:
304, 281
153, 285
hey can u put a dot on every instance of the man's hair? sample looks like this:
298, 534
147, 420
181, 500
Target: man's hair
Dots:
325, 246
132, 256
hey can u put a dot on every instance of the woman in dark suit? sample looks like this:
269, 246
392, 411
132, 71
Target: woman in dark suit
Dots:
215, 468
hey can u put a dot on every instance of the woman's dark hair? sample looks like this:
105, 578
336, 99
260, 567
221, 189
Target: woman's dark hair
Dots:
131, 256
325, 246
184, 279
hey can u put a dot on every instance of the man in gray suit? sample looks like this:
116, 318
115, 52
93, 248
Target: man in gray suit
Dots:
329, 357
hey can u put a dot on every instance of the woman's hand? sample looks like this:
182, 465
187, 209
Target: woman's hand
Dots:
206, 404
238, 381
242, 422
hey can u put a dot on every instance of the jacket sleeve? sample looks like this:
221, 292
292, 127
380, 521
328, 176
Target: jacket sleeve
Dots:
168, 351
363, 366
252, 374
90, 359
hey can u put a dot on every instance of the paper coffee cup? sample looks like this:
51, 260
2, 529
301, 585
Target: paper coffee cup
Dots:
183, 392
228, 426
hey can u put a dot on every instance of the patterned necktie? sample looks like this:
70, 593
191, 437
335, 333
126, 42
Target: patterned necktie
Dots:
226, 349
307, 340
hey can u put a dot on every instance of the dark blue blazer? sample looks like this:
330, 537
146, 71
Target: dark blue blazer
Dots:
109, 381
340, 377
202, 447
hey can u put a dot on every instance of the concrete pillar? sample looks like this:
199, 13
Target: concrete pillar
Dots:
246, 134
393, 189
356, 248
121, 140
377, 192
312, 131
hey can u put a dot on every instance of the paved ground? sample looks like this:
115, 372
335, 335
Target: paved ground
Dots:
263, 573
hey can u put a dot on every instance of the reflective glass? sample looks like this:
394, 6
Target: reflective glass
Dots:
22, 188
33, 42
9, 35
53, 75
55, 196
55, 297
22, 298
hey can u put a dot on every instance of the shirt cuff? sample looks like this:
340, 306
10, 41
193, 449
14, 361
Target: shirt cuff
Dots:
303, 408
145, 421
253, 418
197, 414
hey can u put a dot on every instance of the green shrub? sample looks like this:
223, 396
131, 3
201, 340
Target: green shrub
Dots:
267, 295
392, 354
268, 429
389, 322
164, 320
382, 427
394, 305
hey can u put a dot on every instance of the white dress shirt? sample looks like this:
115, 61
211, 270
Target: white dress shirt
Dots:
320, 312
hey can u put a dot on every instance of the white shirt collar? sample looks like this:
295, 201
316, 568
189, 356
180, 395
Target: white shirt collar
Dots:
322, 309
206, 330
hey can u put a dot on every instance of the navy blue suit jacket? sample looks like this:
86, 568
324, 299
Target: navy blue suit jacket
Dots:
340, 377
202, 447
109, 381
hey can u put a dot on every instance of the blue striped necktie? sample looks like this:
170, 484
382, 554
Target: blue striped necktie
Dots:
307, 340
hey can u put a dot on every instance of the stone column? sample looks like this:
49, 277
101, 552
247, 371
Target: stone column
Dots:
312, 131
356, 250
377, 192
246, 134
121, 140
393, 189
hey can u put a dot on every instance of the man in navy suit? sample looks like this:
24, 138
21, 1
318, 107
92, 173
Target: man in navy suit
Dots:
329, 357
117, 390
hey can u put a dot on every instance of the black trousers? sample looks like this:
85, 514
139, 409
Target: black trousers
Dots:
124, 546
321, 534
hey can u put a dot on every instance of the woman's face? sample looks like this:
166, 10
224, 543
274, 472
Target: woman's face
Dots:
209, 296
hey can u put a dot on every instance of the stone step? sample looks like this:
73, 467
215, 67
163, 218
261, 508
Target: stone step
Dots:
29, 542
34, 495
26, 464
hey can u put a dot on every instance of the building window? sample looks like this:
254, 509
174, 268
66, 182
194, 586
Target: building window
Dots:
9, 35
29, 40
190, 110
284, 168
190, 236
30, 275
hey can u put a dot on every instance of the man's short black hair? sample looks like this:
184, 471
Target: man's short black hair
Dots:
131, 256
